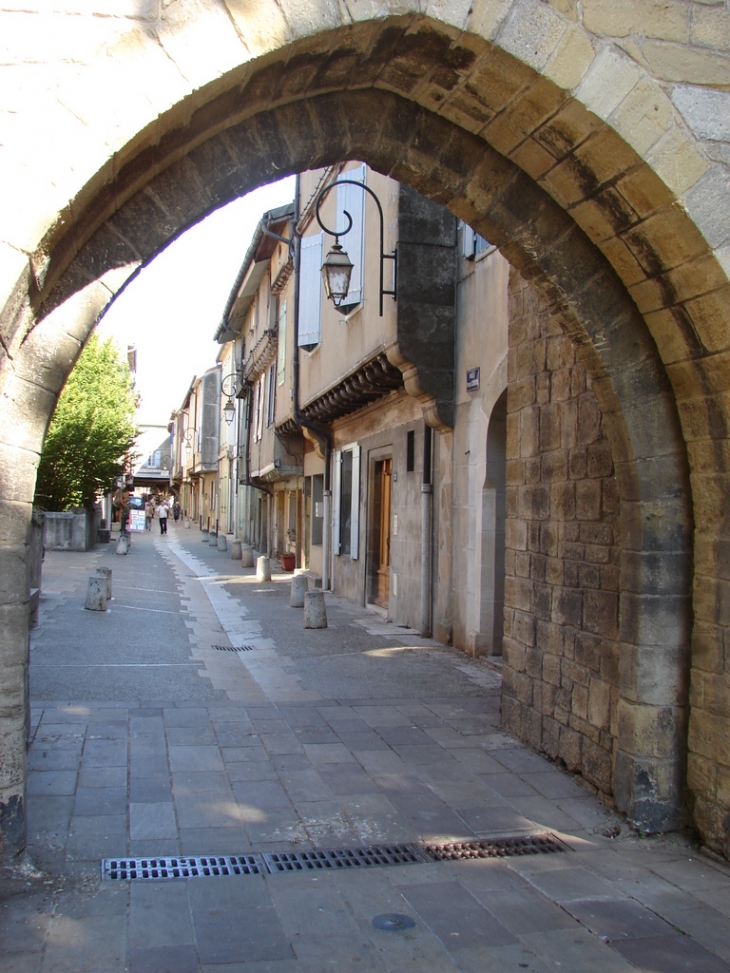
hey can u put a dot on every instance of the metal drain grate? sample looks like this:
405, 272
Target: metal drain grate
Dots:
181, 867
233, 648
298, 861
535, 844
176, 866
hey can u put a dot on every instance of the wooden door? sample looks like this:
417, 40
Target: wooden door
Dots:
386, 479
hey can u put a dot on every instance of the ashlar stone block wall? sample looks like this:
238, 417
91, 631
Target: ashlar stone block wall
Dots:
561, 649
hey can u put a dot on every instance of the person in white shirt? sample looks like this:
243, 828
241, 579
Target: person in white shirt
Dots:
162, 512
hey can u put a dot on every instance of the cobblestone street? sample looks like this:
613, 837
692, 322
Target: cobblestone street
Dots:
196, 717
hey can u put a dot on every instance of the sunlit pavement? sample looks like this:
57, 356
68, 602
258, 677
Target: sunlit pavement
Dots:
150, 737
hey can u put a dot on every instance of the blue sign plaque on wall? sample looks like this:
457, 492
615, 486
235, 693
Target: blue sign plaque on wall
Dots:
472, 379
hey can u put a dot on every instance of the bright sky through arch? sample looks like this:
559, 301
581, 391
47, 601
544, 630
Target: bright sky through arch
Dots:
171, 311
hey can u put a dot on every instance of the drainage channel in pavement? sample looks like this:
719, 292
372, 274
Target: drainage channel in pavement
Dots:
233, 648
209, 866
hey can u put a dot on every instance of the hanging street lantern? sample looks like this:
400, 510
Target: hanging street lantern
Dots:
229, 412
336, 273
337, 267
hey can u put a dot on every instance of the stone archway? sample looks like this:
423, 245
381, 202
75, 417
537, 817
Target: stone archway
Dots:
482, 127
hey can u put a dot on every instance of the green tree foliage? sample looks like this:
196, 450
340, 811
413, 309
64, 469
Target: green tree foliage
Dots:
91, 436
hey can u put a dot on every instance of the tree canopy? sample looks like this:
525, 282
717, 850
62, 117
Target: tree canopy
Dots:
91, 436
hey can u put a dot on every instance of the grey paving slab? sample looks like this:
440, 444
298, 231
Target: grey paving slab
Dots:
214, 840
195, 758
148, 821
251, 770
74, 945
102, 824
576, 952
191, 736
706, 924
159, 914
564, 884
103, 776
455, 916
52, 782
150, 790
695, 874
670, 954
615, 919
498, 819
49, 812
261, 794
53, 759
94, 801
163, 959
225, 936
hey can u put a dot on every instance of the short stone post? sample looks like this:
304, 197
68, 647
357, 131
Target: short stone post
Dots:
106, 573
222, 542
235, 550
212, 539
315, 611
246, 556
299, 587
263, 568
122, 544
204, 535
187, 523
96, 595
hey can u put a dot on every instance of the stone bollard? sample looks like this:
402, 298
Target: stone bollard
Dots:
204, 535
235, 550
187, 523
122, 544
222, 542
212, 539
315, 612
96, 595
263, 568
106, 573
246, 556
299, 587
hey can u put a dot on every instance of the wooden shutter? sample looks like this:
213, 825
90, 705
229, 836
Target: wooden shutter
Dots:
310, 290
336, 488
355, 512
352, 199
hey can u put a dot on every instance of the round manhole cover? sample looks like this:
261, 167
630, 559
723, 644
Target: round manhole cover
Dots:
393, 922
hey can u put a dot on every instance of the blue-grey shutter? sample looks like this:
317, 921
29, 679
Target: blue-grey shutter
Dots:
352, 199
336, 487
468, 241
355, 514
310, 290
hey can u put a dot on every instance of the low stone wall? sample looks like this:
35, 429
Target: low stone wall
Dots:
563, 557
71, 530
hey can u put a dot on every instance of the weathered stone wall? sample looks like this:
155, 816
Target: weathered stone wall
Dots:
563, 558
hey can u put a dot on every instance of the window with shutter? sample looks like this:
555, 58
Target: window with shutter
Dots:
346, 501
281, 338
271, 405
352, 200
310, 290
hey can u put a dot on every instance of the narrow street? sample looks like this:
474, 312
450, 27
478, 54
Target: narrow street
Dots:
196, 717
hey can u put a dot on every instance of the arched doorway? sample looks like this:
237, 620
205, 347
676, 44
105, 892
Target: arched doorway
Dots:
404, 96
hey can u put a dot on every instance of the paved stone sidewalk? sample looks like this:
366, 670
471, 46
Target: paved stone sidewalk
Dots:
151, 737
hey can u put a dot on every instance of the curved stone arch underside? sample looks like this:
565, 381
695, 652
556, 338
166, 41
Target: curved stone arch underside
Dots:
302, 109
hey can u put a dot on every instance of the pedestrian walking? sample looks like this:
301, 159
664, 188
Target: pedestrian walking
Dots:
162, 512
176, 511
149, 513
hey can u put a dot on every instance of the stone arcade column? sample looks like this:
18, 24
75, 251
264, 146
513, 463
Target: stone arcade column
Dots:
14, 626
